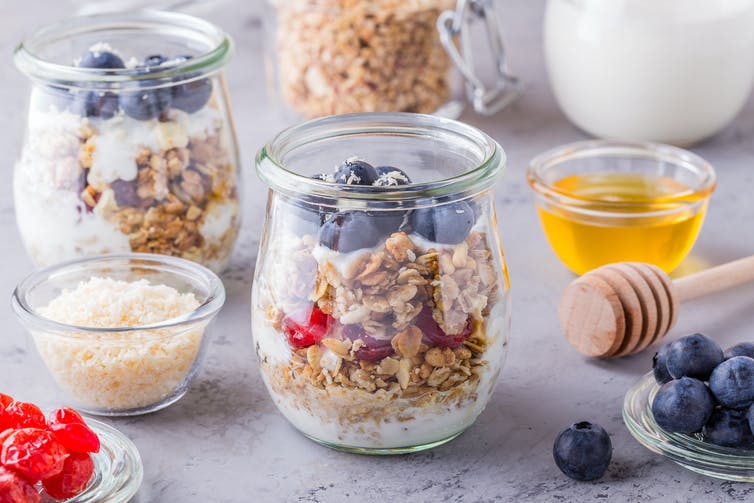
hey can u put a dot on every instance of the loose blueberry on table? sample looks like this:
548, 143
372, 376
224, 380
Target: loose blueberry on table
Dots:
583, 451
53, 452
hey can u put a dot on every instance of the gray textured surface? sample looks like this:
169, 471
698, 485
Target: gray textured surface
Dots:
225, 442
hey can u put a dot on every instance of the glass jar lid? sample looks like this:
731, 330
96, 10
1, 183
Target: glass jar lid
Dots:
197, 47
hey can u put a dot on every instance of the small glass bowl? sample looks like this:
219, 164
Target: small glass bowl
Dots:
688, 451
606, 201
118, 471
121, 371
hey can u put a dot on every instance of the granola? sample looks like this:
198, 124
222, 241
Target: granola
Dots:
343, 56
180, 199
411, 333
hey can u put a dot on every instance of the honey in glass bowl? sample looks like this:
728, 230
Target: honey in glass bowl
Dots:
603, 202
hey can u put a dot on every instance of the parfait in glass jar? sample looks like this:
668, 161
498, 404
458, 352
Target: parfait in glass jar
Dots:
380, 302
129, 143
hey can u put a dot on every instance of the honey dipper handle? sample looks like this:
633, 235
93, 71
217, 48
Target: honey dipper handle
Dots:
715, 279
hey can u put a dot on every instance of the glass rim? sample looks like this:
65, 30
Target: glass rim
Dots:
540, 164
689, 451
27, 60
205, 311
278, 177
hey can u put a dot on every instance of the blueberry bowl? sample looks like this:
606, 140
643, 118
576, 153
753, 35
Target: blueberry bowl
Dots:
689, 451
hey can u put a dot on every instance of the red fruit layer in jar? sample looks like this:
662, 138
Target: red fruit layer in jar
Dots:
373, 349
435, 336
305, 328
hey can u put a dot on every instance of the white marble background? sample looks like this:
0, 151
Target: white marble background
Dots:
225, 441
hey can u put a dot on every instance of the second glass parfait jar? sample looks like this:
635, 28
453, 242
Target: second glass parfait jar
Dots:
129, 142
380, 307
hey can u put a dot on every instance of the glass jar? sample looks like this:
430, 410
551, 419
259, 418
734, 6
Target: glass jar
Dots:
671, 71
381, 313
342, 56
129, 140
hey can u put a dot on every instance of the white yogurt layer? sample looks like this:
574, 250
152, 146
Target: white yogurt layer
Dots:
218, 218
121, 138
417, 425
53, 221
53, 228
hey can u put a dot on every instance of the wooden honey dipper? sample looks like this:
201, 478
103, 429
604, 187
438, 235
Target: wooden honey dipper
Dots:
620, 309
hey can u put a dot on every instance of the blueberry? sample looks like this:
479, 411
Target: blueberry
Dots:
447, 224
583, 451
388, 176
695, 356
729, 428
660, 365
732, 382
154, 60
126, 193
683, 405
347, 231
355, 172
145, 104
101, 59
741, 349
750, 417
192, 96
100, 104
388, 221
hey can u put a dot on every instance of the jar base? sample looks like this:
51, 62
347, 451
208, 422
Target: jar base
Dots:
386, 451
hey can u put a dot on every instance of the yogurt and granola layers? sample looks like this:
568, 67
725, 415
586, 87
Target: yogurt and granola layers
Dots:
145, 171
388, 346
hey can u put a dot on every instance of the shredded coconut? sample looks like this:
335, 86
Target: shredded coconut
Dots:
126, 370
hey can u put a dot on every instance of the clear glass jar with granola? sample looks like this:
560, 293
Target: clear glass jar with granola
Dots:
380, 309
129, 140
346, 56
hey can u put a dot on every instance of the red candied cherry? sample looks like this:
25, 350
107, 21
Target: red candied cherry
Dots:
3, 435
434, 334
373, 349
15, 489
25, 415
5, 400
66, 415
76, 437
33, 453
73, 479
306, 328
